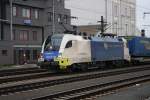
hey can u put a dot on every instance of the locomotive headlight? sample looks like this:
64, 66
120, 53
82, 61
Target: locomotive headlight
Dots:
50, 47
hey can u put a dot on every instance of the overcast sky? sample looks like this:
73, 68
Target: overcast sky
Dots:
88, 12
143, 6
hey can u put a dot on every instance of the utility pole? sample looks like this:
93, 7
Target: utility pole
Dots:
9, 21
11, 16
11, 27
106, 9
103, 25
53, 26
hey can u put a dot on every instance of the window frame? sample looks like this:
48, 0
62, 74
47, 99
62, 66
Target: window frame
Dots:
14, 34
22, 36
59, 18
35, 54
65, 19
4, 52
59, 1
69, 45
50, 16
26, 13
36, 13
15, 11
34, 35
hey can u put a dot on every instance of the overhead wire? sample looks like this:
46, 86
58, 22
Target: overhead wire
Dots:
100, 13
94, 11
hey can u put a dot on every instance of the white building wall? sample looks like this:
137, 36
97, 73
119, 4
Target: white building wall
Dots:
123, 17
120, 14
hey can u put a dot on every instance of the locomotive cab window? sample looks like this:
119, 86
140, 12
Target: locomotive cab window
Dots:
69, 44
120, 39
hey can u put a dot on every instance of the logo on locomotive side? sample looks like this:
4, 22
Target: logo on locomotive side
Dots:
105, 45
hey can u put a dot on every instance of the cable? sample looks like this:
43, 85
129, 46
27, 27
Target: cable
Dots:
87, 10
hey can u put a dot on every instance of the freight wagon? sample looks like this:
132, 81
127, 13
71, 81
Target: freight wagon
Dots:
139, 48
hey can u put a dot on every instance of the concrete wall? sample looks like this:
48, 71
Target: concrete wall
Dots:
6, 59
20, 20
59, 9
18, 29
0, 21
33, 3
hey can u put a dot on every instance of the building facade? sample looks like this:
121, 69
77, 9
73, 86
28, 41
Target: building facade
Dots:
32, 23
119, 14
123, 20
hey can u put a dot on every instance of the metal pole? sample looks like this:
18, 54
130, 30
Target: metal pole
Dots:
106, 10
11, 22
53, 17
121, 17
102, 25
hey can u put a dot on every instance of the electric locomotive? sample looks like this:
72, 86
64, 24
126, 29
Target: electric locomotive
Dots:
139, 48
68, 51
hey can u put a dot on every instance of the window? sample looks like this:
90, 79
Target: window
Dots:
36, 14
65, 19
35, 54
14, 34
34, 35
50, 16
69, 44
133, 13
59, 18
27, 52
4, 52
126, 29
59, 1
26, 12
115, 28
14, 11
24, 35
116, 10
126, 12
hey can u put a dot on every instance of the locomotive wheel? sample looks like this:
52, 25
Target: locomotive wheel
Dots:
84, 68
70, 69
43, 67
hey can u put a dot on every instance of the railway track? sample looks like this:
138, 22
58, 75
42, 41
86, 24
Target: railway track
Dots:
20, 74
19, 71
22, 77
24, 86
90, 91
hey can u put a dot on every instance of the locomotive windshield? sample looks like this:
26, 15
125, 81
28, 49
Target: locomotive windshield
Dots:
53, 43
